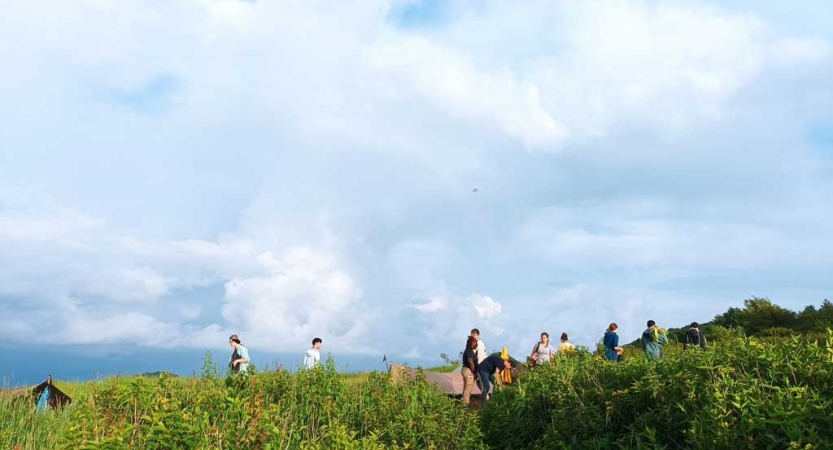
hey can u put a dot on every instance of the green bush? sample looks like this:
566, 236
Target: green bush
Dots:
309, 410
744, 393
317, 409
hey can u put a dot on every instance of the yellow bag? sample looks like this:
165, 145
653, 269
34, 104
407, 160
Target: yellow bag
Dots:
505, 375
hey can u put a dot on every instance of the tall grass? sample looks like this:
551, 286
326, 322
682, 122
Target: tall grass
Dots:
23, 428
744, 393
317, 409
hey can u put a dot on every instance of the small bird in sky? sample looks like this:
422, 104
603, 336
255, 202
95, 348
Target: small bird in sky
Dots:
474, 190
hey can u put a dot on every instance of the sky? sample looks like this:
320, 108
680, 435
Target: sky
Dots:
388, 174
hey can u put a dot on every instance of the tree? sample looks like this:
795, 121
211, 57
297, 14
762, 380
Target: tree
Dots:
760, 314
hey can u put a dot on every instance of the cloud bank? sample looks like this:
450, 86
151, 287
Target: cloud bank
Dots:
172, 173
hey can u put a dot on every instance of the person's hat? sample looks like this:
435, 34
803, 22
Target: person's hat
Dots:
234, 337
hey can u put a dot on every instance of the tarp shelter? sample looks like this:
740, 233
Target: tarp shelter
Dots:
449, 383
47, 394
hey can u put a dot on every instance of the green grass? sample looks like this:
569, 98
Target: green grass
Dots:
448, 368
742, 393
317, 409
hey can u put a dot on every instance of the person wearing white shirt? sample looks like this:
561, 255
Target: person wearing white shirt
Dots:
481, 346
313, 356
480, 353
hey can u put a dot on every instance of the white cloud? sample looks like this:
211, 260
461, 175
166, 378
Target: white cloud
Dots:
315, 164
486, 307
792, 50
305, 294
458, 87
413, 353
433, 305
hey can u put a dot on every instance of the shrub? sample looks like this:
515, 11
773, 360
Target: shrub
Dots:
312, 409
744, 393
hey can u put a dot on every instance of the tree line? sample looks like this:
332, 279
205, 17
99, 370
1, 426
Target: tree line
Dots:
762, 318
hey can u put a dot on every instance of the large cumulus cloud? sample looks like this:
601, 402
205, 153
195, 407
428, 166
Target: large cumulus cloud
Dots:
174, 172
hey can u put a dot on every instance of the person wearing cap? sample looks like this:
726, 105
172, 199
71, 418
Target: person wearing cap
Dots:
653, 338
239, 357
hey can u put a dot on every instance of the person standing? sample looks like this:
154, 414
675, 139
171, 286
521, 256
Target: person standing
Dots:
542, 352
469, 369
565, 345
610, 342
313, 356
694, 337
488, 368
480, 352
653, 338
239, 356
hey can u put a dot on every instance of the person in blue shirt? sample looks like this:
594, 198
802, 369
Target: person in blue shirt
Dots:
611, 342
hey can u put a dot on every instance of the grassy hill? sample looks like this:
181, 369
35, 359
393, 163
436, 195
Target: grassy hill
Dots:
761, 391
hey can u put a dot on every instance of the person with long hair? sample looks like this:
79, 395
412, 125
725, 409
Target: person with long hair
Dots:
469, 370
565, 345
542, 352
610, 342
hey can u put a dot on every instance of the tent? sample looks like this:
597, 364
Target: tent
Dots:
449, 383
48, 395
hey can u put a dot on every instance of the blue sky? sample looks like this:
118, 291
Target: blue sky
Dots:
175, 172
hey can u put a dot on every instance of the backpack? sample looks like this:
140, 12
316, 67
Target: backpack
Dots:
533, 362
692, 336
234, 357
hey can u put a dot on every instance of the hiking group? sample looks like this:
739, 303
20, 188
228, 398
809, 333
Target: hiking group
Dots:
652, 341
481, 369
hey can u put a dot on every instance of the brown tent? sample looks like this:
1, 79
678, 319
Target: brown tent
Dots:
449, 383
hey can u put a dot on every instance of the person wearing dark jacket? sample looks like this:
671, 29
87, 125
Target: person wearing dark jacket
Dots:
469, 368
611, 342
694, 337
487, 367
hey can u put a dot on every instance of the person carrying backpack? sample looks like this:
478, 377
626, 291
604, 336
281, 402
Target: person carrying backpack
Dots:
653, 338
694, 337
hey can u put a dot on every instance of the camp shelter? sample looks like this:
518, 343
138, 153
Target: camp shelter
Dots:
47, 394
448, 383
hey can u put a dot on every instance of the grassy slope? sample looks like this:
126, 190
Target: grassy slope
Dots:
318, 409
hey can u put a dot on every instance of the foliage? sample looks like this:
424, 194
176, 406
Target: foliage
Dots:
448, 361
744, 393
760, 316
313, 409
